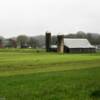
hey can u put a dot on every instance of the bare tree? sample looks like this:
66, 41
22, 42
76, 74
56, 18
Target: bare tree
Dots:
22, 41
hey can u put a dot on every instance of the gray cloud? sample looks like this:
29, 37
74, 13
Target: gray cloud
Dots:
34, 17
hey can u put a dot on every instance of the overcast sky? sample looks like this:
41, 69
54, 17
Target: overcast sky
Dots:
35, 17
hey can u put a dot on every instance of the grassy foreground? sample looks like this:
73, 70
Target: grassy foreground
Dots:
34, 75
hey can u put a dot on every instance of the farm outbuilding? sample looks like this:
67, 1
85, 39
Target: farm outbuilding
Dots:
69, 45
77, 45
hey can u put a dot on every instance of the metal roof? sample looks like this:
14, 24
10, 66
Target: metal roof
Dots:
53, 46
77, 43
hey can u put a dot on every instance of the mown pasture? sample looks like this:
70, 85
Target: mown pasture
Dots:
27, 74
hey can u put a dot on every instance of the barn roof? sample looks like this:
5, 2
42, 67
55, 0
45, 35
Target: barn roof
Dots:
77, 43
53, 46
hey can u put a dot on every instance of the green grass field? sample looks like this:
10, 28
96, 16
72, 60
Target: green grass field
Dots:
27, 74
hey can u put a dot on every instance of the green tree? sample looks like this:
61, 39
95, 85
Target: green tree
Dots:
33, 42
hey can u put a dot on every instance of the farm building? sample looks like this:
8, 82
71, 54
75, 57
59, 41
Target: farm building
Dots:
69, 45
78, 45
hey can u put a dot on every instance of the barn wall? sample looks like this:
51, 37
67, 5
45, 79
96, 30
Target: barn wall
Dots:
79, 50
66, 49
53, 49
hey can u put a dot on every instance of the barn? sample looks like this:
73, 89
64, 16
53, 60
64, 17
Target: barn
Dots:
69, 45
78, 45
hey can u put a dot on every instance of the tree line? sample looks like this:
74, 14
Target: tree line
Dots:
23, 41
93, 38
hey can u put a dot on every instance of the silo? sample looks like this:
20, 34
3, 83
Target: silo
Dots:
60, 43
